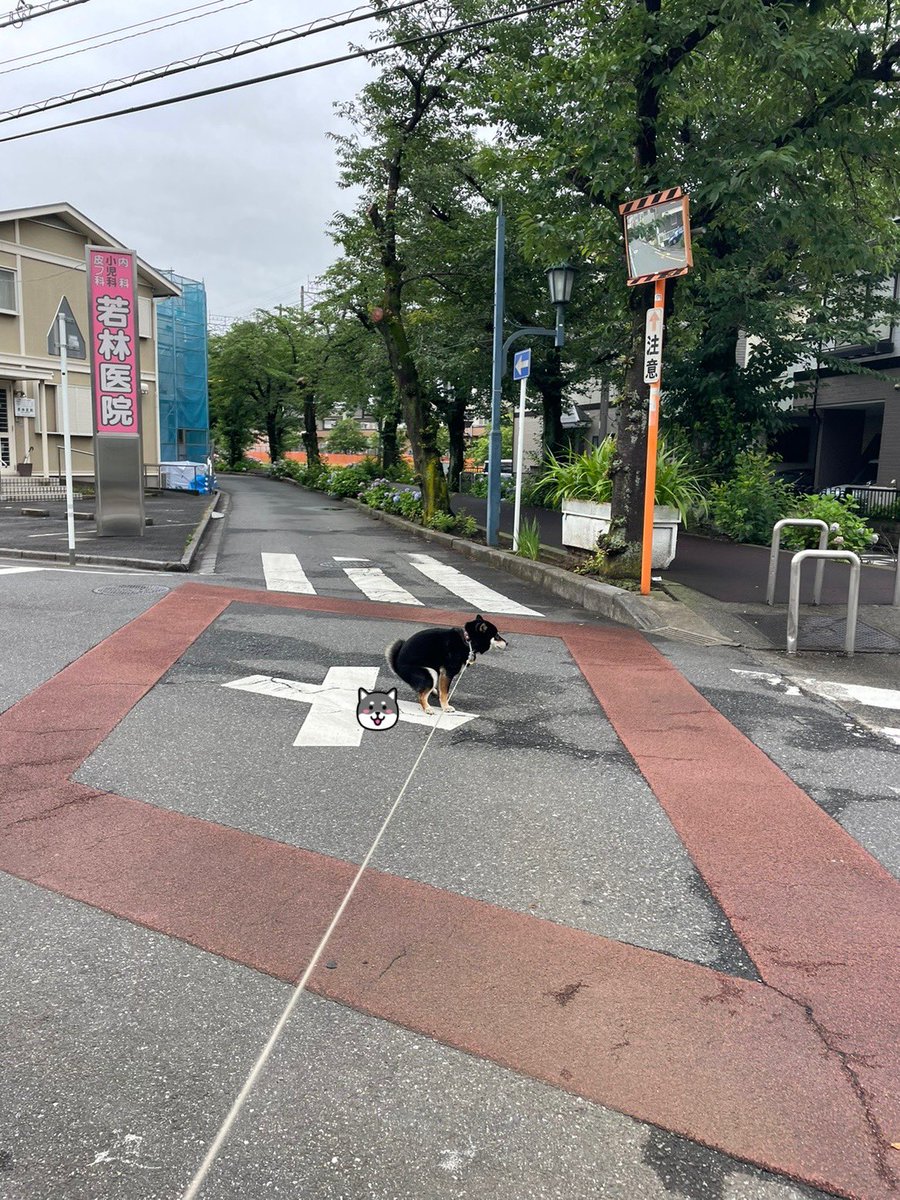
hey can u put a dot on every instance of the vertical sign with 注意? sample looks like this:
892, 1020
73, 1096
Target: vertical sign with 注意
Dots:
657, 248
116, 391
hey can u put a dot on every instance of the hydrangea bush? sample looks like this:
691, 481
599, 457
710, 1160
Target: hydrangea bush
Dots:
847, 529
361, 482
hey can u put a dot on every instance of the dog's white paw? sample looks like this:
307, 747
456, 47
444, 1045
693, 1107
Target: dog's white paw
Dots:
429, 712
449, 708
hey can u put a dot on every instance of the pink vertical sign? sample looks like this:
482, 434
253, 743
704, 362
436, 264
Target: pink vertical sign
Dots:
112, 318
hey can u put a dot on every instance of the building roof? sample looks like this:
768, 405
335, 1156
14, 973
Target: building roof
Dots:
97, 236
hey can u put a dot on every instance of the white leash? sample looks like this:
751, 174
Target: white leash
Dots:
217, 1143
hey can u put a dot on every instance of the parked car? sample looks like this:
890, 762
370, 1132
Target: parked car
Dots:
800, 478
506, 468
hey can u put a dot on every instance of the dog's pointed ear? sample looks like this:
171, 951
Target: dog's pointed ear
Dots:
362, 693
393, 693
479, 617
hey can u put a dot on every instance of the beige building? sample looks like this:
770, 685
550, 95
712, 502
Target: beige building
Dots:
42, 266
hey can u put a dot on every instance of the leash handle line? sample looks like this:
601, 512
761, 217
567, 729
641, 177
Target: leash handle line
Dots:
241, 1098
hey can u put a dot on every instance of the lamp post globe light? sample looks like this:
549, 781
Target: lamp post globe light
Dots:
560, 280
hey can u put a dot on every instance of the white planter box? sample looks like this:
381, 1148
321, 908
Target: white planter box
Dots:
583, 522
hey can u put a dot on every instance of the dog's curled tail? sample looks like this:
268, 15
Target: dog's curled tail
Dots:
391, 654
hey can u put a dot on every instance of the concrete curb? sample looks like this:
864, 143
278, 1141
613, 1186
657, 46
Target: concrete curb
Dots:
197, 536
136, 564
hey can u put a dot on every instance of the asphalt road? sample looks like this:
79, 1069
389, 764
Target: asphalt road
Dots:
630, 933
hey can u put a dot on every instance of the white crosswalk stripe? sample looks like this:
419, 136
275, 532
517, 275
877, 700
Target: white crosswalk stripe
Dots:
378, 586
468, 589
284, 574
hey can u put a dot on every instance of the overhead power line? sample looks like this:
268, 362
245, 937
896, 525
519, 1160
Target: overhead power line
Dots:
210, 58
314, 66
94, 42
27, 12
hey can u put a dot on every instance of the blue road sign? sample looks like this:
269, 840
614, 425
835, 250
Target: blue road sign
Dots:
521, 364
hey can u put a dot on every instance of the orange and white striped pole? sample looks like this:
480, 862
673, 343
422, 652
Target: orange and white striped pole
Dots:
653, 340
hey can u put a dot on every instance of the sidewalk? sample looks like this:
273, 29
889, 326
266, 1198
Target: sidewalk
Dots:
176, 524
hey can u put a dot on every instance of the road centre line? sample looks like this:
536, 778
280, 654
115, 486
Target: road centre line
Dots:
466, 588
284, 574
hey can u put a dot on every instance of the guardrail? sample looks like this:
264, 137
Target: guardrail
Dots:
809, 522
793, 616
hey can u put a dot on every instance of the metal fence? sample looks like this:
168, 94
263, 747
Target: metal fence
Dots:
874, 501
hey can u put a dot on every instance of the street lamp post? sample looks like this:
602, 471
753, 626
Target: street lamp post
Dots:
560, 280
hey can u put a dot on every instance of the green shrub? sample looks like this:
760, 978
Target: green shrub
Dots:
847, 530
587, 477
402, 472
529, 540
538, 494
478, 486
347, 481
444, 522
746, 506
313, 475
285, 468
394, 498
465, 525
409, 505
377, 494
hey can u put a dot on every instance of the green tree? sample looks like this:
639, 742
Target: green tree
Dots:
779, 118
410, 135
254, 381
229, 411
347, 438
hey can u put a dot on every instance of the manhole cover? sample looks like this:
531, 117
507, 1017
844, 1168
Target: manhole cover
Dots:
820, 632
128, 589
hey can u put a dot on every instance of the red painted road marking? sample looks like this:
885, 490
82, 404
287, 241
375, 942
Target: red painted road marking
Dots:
819, 916
736, 1065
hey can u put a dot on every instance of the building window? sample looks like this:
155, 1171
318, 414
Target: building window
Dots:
8, 291
145, 317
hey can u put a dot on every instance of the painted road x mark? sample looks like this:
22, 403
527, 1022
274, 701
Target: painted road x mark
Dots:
18, 570
332, 717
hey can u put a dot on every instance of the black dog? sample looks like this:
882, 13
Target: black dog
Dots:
432, 658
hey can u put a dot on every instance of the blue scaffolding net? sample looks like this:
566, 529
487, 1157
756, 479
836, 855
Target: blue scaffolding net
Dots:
183, 377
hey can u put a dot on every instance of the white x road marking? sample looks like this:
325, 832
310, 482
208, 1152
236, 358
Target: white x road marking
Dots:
331, 720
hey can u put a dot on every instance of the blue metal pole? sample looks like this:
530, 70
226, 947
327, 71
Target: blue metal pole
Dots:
494, 446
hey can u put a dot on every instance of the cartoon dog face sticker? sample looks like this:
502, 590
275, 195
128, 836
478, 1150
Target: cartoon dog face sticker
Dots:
377, 710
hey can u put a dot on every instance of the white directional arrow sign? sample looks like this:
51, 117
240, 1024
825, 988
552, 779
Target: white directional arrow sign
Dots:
331, 720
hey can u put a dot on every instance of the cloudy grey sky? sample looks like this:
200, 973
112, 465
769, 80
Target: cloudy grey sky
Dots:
235, 189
